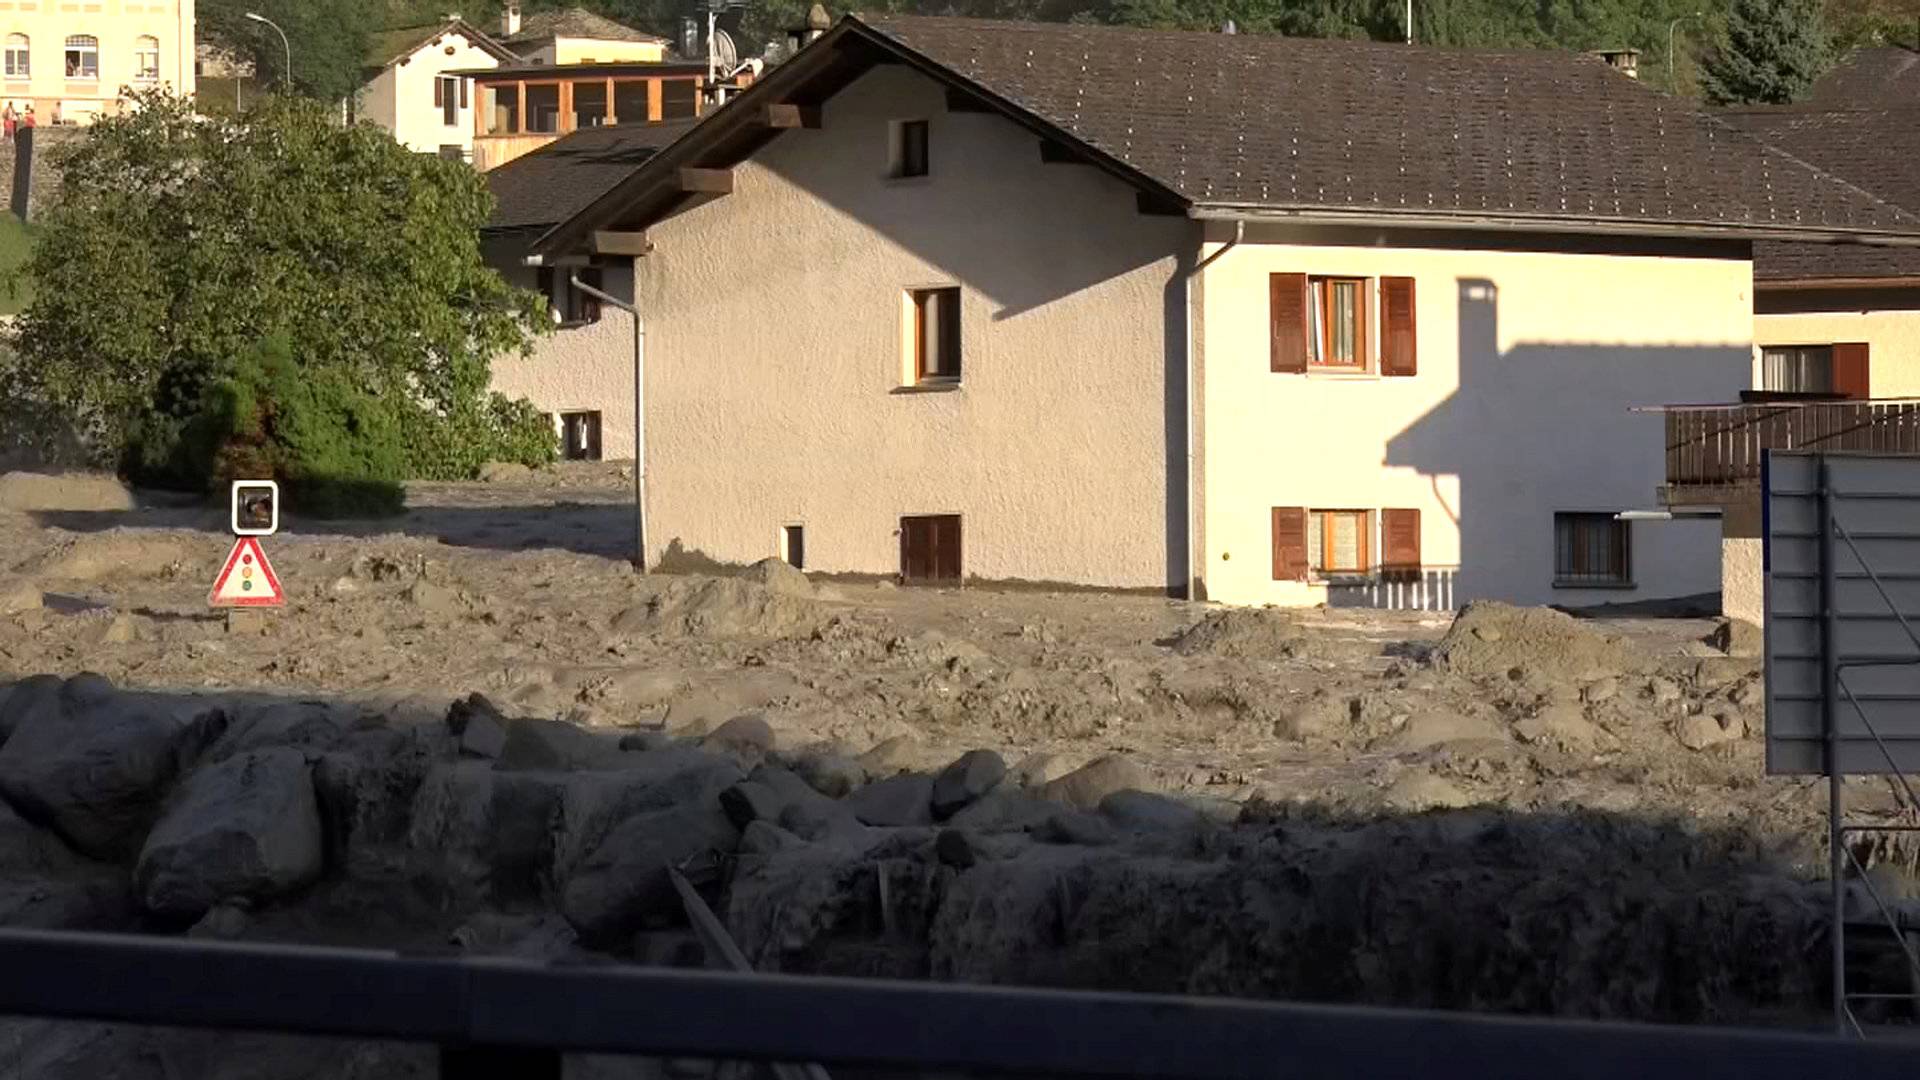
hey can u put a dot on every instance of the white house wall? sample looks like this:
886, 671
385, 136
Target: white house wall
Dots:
579, 368
1530, 364
775, 350
409, 111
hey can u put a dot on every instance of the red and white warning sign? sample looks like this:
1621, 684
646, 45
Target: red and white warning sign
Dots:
246, 580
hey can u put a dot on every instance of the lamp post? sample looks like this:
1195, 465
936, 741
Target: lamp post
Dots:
288, 73
1673, 82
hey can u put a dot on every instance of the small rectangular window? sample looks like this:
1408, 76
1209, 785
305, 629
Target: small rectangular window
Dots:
543, 108
146, 59
1338, 542
908, 149
793, 546
446, 94
1591, 549
1337, 323
679, 99
580, 435
19, 57
1797, 369
936, 335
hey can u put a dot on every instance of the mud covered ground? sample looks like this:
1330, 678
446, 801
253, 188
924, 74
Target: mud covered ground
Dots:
1518, 812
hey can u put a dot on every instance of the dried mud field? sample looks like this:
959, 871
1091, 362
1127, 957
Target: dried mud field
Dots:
1512, 811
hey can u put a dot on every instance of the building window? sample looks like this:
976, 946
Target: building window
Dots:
83, 57
1797, 369
935, 335
907, 149
543, 108
679, 99
146, 59
571, 306
630, 101
580, 435
1338, 542
449, 96
793, 546
1591, 549
590, 105
1337, 314
19, 57
453, 152
502, 105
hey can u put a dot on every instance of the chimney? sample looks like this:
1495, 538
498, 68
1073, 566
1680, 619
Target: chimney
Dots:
510, 20
818, 23
1625, 61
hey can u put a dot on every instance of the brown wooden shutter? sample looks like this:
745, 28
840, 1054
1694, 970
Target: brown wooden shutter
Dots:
463, 93
1851, 371
1398, 351
1289, 543
1400, 544
439, 93
1287, 318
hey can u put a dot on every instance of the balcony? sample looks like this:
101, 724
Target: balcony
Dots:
1714, 452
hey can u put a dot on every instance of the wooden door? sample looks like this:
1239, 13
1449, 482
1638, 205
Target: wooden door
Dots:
930, 548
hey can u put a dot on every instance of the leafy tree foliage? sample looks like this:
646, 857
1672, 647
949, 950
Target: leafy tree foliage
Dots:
180, 243
327, 40
1772, 51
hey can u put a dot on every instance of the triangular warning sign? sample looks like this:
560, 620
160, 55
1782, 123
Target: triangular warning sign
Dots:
246, 580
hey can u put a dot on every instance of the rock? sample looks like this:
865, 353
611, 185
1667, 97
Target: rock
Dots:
623, 885
222, 922
1718, 671
1562, 726
307, 725
71, 491
1143, 810
1005, 809
891, 756
1417, 791
491, 833
25, 698
1076, 827
246, 827
505, 472
975, 773
749, 801
645, 741
766, 838
832, 775
1662, 690
533, 744
596, 803
1433, 728
93, 769
1491, 640
1700, 731
477, 727
906, 799
1083, 788
45, 885
953, 849
19, 596
1601, 690
1039, 769
1737, 637
748, 735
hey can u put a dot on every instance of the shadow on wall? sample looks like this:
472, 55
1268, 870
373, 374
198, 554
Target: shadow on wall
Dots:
1546, 427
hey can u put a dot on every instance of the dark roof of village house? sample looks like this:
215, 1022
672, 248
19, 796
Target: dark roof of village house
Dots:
1211, 123
575, 23
564, 177
1868, 78
1876, 149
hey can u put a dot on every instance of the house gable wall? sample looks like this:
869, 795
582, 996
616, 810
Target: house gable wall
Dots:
412, 116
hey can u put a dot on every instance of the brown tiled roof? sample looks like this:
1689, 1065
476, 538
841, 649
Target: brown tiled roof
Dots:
1293, 123
575, 23
562, 178
1870, 78
1874, 148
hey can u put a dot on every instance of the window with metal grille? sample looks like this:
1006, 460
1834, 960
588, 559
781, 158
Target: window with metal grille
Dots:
1797, 369
1591, 549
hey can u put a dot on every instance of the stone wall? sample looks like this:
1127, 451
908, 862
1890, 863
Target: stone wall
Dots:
47, 140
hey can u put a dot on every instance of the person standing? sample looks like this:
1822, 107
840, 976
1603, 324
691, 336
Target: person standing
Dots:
7, 120
28, 120
56, 114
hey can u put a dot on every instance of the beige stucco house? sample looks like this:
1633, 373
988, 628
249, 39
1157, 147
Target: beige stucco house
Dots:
577, 36
76, 61
416, 86
1257, 319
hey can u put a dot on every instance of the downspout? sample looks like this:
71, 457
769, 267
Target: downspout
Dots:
639, 406
1193, 407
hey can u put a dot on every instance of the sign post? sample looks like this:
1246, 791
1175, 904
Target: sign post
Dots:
246, 579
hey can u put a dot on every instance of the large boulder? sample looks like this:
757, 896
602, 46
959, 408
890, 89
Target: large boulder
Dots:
247, 827
90, 763
897, 801
45, 885
595, 803
533, 743
1086, 786
966, 780
623, 885
487, 834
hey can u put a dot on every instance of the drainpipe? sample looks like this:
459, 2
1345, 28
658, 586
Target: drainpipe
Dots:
1193, 409
639, 407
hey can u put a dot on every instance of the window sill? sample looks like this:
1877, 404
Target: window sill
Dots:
1616, 585
576, 324
930, 386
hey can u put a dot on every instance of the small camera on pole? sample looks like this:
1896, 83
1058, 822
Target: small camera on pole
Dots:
256, 507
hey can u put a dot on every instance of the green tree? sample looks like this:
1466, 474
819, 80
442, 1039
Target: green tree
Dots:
180, 243
327, 40
1771, 52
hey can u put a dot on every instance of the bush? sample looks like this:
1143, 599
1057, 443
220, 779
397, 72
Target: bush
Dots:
496, 428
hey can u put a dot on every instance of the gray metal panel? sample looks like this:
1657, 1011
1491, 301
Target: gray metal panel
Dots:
1875, 582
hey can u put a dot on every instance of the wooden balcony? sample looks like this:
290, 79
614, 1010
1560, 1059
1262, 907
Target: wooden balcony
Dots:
1714, 453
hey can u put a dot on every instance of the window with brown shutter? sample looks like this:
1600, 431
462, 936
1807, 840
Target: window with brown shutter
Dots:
1337, 312
1400, 545
1287, 321
1289, 543
1851, 376
1398, 350
1339, 543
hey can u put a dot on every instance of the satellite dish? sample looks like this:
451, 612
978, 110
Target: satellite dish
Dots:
724, 52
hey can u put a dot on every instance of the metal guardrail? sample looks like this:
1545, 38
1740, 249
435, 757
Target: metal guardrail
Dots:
481, 1009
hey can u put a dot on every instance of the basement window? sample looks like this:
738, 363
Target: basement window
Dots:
1592, 550
580, 435
907, 149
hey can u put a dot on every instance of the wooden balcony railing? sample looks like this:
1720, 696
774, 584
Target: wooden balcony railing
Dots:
1721, 447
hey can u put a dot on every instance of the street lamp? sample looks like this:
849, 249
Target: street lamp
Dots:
259, 18
1673, 82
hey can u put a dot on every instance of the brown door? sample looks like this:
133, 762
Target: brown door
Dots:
930, 548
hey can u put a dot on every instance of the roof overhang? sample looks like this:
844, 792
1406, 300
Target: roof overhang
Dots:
467, 30
1891, 281
1543, 223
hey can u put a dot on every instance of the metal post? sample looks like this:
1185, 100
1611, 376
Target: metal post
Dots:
1830, 725
639, 407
